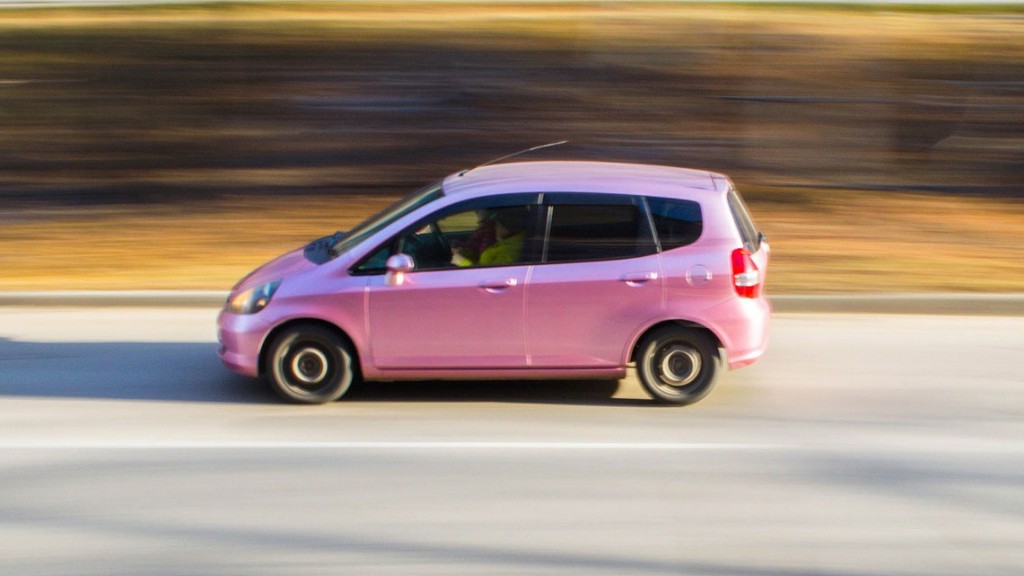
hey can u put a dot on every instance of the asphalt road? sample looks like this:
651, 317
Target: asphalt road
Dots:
861, 445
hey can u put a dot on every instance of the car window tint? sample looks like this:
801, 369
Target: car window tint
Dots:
460, 222
677, 222
493, 236
747, 230
466, 229
597, 232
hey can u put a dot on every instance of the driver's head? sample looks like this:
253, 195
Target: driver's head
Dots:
513, 220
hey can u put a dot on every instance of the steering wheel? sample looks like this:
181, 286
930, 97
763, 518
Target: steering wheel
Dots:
441, 240
430, 249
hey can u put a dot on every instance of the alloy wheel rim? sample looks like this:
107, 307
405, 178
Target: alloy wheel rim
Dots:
309, 366
679, 365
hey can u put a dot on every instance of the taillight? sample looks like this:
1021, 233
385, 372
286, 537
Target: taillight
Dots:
746, 278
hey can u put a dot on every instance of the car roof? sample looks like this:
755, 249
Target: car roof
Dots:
583, 176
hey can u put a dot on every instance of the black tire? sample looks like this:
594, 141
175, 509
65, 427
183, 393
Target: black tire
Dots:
677, 365
310, 364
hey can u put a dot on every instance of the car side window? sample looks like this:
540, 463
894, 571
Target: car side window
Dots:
677, 222
740, 214
596, 227
489, 231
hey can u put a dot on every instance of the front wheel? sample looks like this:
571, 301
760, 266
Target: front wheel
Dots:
310, 365
677, 365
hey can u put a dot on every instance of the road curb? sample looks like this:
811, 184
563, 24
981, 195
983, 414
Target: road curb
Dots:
116, 298
932, 304
935, 304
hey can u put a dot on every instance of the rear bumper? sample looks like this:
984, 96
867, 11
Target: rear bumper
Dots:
742, 327
240, 338
749, 357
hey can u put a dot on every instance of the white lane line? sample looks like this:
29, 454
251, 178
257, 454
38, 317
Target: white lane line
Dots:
370, 445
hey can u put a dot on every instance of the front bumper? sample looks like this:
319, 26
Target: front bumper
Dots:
240, 337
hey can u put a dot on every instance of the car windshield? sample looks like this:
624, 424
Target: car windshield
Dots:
378, 221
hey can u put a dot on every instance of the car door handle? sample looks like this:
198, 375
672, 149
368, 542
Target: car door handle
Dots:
638, 278
500, 285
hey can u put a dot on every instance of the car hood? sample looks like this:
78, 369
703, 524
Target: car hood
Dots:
283, 266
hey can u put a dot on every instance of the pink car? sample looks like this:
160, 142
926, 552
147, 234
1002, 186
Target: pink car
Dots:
520, 270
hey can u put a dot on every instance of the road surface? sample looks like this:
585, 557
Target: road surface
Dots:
862, 445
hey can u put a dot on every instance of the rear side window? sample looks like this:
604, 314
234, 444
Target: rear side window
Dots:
600, 229
677, 222
748, 232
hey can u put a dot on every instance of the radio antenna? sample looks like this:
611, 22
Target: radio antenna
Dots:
513, 155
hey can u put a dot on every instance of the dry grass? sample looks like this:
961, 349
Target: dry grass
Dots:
192, 245
836, 242
872, 242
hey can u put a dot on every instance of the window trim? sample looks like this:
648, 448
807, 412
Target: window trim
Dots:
650, 224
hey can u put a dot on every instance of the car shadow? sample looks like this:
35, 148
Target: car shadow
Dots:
160, 371
510, 391
191, 372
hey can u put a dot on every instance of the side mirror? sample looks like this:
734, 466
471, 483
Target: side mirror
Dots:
397, 266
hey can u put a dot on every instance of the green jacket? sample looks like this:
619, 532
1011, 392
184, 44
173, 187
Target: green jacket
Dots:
505, 251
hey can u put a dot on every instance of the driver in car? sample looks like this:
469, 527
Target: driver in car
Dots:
509, 226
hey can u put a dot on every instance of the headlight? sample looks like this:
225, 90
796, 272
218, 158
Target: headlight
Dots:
254, 299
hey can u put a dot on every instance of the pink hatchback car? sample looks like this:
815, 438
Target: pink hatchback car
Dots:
520, 270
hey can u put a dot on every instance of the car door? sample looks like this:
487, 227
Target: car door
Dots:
447, 316
599, 282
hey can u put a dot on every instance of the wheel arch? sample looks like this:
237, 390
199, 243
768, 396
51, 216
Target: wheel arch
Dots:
687, 324
272, 334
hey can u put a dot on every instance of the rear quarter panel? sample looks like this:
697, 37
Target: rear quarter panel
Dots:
698, 284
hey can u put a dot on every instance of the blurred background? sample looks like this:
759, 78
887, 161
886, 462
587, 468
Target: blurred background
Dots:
178, 146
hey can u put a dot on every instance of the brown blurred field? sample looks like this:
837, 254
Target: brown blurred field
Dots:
849, 242
179, 146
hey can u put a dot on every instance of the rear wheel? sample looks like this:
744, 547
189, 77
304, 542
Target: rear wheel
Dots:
677, 365
310, 365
